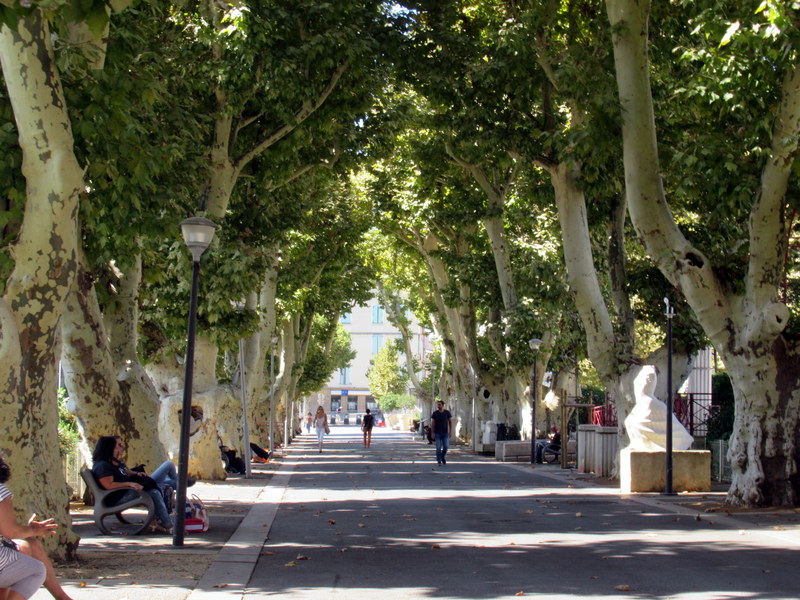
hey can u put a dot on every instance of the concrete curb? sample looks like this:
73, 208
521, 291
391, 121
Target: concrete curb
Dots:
230, 572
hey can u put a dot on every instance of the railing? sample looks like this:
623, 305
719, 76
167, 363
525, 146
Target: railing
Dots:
692, 410
605, 415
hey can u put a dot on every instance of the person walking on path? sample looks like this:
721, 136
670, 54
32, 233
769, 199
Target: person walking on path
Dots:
321, 425
441, 424
366, 426
309, 422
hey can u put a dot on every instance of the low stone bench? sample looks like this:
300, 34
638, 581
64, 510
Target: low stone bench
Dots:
645, 471
513, 451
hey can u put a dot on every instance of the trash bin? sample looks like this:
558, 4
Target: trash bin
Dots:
358, 419
347, 419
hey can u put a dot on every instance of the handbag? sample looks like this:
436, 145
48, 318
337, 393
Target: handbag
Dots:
196, 518
327, 429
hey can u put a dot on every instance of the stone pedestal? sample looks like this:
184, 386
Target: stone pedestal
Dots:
645, 470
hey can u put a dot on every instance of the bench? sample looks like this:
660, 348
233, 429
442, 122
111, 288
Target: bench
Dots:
106, 504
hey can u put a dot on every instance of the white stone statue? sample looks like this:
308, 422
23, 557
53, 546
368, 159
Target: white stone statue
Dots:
647, 423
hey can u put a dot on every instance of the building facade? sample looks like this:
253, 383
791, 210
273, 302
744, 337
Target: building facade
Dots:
347, 394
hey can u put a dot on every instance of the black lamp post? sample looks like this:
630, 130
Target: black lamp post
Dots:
198, 233
670, 312
273, 340
534, 344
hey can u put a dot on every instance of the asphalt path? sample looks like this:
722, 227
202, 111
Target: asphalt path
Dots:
388, 522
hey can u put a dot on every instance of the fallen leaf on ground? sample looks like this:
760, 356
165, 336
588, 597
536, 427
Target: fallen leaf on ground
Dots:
291, 563
331, 521
622, 588
361, 525
220, 585
302, 557
529, 512
520, 594
267, 553
436, 546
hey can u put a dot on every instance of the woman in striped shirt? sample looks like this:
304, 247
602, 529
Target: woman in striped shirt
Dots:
22, 575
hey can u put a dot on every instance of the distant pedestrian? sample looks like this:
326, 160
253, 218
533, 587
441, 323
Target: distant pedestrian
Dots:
366, 426
309, 422
321, 425
441, 426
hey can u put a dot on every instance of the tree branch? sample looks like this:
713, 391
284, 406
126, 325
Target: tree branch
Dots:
767, 214
307, 109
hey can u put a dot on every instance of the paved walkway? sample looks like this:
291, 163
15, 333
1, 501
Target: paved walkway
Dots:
387, 522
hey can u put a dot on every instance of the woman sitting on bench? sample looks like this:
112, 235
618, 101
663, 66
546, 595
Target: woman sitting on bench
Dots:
111, 474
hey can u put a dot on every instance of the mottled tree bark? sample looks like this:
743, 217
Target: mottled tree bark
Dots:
746, 327
44, 255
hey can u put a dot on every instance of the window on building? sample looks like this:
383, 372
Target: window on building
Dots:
336, 403
371, 403
352, 404
377, 342
346, 318
344, 376
377, 314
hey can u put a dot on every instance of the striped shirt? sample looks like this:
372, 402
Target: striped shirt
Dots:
8, 554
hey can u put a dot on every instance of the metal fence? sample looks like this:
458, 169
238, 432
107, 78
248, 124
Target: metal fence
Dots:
693, 410
720, 466
72, 463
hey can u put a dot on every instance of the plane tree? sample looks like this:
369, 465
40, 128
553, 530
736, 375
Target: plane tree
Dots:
43, 241
526, 87
741, 80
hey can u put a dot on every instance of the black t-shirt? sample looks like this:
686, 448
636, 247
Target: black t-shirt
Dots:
103, 469
441, 421
368, 422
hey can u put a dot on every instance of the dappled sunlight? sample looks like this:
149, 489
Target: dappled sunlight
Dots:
353, 521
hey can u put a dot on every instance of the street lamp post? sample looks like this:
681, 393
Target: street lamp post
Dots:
248, 472
534, 344
198, 233
670, 312
273, 341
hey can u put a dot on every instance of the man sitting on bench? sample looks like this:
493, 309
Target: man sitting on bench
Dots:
554, 442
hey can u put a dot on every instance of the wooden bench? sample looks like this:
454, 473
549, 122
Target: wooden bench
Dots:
106, 503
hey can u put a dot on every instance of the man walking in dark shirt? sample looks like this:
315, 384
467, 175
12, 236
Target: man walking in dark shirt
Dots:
441, 424
367, 423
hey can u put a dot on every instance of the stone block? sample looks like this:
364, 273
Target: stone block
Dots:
512, 451
645, 470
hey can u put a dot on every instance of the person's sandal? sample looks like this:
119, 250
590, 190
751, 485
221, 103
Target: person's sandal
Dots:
156, 528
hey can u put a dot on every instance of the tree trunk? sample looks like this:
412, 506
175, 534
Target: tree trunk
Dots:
44, 255
745, 328
110, 394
